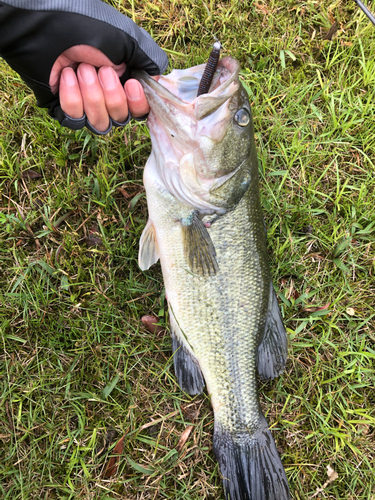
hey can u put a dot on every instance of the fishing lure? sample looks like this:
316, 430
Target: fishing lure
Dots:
210, 69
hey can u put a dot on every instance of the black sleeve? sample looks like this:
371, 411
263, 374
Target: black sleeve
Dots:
33, 33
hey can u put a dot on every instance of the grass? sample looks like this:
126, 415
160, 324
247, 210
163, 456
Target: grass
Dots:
78, 369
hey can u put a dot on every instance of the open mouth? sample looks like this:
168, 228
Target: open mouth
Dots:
184, 83
180, 87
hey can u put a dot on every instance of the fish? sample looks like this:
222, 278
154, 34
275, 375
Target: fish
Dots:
205, 224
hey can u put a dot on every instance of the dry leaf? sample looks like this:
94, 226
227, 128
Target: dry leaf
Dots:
149, 322
184, 437
124, 193
295, 294
30, 174
111, 467
332, 475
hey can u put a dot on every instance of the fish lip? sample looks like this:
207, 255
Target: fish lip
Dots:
146, 80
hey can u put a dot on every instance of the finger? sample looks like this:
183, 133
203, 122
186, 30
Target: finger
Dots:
114, 94
137, 101
81, 54
70, 95
92, 55
93, 98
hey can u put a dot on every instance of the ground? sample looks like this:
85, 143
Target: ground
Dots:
79, 370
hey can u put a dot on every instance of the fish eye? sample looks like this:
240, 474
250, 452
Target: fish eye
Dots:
242, 117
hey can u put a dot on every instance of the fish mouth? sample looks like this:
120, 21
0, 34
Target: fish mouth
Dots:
185, 128
179, 89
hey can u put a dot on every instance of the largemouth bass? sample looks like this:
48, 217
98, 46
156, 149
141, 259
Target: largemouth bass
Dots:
206, 226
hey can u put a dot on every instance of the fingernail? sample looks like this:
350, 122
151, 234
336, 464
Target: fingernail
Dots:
87, 73
108, 78
69, 77
133, 90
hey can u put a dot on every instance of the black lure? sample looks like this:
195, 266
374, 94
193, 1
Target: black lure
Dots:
210, 69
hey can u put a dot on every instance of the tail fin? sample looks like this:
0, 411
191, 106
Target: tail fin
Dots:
250, 465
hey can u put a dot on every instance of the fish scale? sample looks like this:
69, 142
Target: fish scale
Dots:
225, 321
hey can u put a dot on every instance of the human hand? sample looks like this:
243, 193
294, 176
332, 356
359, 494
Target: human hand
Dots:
100, 95
41, 43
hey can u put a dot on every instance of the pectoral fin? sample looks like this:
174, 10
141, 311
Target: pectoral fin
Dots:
148, 248
199, 249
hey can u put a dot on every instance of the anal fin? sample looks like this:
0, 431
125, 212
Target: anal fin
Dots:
199, 249
273, 350
148, 249
186, 366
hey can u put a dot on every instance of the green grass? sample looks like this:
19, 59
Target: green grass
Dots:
78, 369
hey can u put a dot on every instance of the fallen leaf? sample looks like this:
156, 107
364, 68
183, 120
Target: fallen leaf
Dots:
30, 174
112, 464
124, 193
295, 294
150, 323
184, 437
332, 475
350, 311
